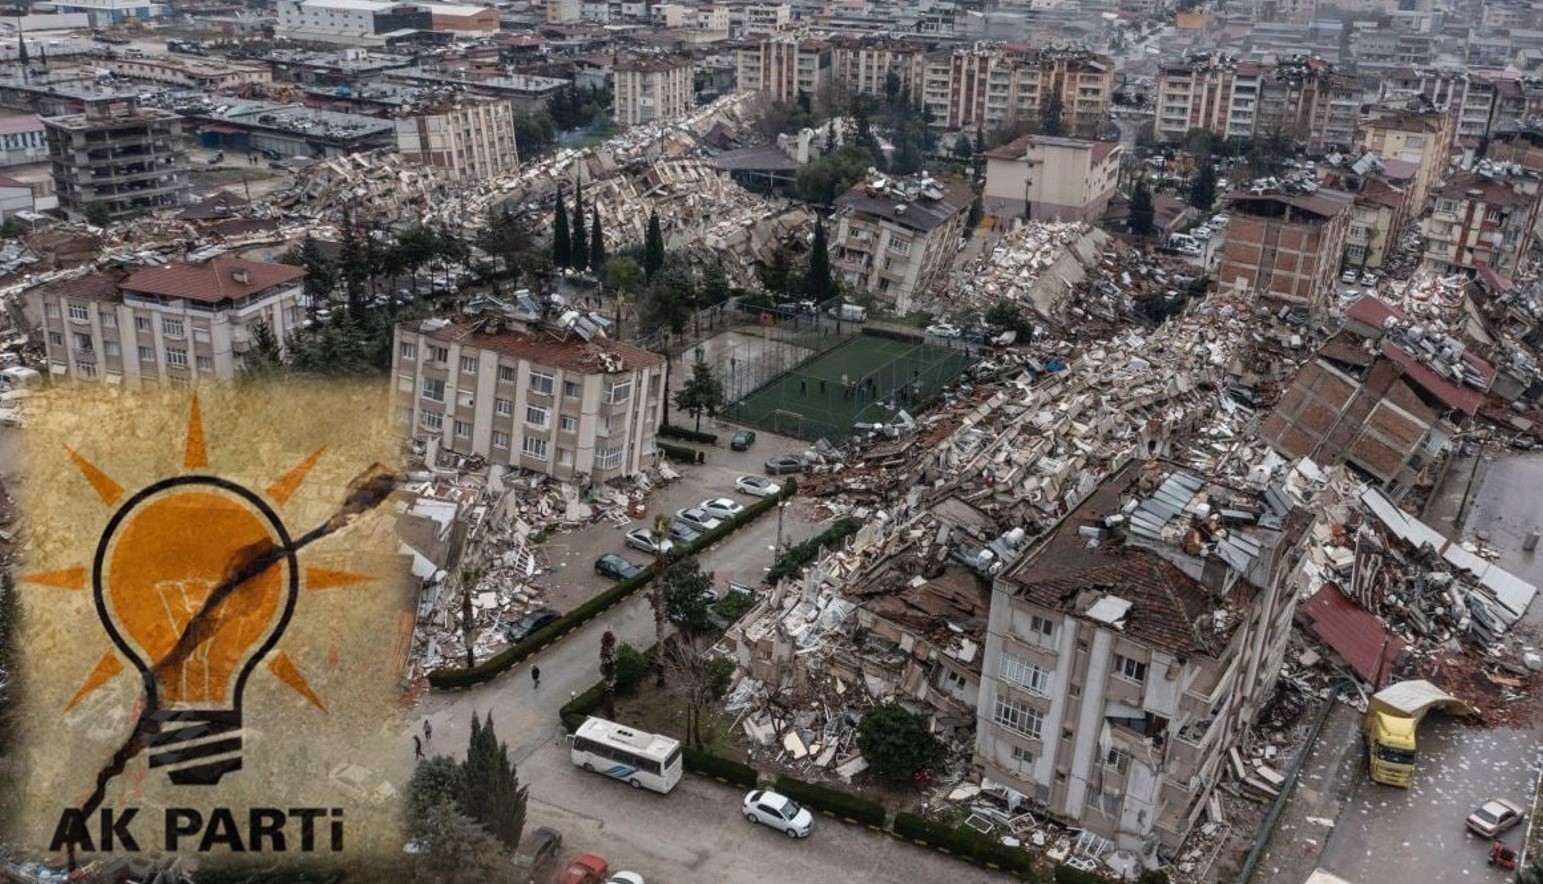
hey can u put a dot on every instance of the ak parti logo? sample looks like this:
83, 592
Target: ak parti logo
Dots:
195, 578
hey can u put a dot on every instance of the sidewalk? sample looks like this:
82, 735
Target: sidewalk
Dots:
1326, 780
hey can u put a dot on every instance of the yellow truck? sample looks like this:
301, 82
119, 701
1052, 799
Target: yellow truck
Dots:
1392, 716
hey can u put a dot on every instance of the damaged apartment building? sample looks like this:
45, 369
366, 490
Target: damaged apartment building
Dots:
1134, 647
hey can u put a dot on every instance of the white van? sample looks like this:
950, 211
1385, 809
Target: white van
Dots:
19, 377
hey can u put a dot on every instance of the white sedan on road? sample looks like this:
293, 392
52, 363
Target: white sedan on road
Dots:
721, 508
944, 330
698, 518
756, 486
780, 812
642, 539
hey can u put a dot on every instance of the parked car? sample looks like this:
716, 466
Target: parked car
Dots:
587, 869
721, 508
742, 440
680, 532
1219, 221
1369, 278
615, 567
944, 330
698, 518
780, 812
524, 627
1349, 277
1494, 817
625, 878
1202, 232
538, 849
755, 486
642, 539
784, 463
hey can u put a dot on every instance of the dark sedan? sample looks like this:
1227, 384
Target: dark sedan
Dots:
527, 626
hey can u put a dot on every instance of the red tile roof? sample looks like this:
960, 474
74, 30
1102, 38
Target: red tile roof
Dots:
1373, 311
221, 279
1459, 396
544, 348
1354, 633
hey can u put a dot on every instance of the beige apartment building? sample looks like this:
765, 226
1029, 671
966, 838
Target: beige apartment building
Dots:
1129, 652
895, 238
1409, 138
1302, 98
177, 324
1046, 178
529, 396
468, 139
649, 89
784, 66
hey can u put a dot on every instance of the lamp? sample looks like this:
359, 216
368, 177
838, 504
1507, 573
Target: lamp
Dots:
179, 588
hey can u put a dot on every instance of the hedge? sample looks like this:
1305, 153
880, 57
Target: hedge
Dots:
792, 561
851, 808
730, 771
581, 707
1065, 874
681, 453
675, 432
967, 843
486, 670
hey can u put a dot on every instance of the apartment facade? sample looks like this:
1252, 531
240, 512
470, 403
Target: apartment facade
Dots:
649, 89
784, 67
469, 140
896, 238
522, 396
762, 19
989, 86
1284, 245
23, 139
119, 155
177, 324
1040, 177
1482, 218
1303, 98
1211, 92
1420, 138
1134, 648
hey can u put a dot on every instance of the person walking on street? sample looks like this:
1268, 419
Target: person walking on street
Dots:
428, 730
535, 676
417, 746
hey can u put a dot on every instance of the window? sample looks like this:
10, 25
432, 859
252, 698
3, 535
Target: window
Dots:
201, 335
409, 351
565, 457
80, 313
1112, 802
468, 365
204, 363
568, 423
1023, 758
571, 389
536, 416
51, 311
1492, 216
506, 374
434, 389
146, 354
900, 246
541, 382
173, 328
1019, 717
1041, 626
86, 369
56, 339
432, 420
500, 440
111, 348
1030, 676
1446, 206
504, 407
1128, 669
438, 354
109, 320
619, 392
609, 458
83, 343
142, 323
1355, 253
1414, 141
1117, 759
463, 429
176, 358
533, 446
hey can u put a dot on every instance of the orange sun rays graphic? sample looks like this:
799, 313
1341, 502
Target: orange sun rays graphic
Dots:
160, 558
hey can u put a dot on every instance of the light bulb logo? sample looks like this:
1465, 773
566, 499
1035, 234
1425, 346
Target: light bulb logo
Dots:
195, 579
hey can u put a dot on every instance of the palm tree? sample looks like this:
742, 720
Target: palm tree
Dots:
660, 535
470, 577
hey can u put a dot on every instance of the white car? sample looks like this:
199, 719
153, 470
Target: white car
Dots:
1349, 276
624, 878
756, 486
721, 508
1492, 818
698, 518
780, 812
642, 539
1202, 232
944, 330
1368, 278
1220, 221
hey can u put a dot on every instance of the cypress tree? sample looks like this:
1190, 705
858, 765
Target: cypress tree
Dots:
578, 248
494, 797
817, 282
561, 244
596, 242
653, 247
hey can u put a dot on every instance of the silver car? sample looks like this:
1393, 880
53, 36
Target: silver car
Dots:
780, 812
721, 508
698, 518
1494, 817
642, 539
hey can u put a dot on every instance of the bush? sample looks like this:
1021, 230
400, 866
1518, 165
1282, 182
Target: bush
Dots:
836, 803
680, 453
631, 667
967, 843
688, 434
581, 707
793, 561
708, 764
1065, 874
734, 605
897, 743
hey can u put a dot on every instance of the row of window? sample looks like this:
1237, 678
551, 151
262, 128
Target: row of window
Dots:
171, 328
541, 383
534, 446
175, 357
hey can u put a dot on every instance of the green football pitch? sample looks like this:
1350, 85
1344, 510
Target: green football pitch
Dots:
853, 383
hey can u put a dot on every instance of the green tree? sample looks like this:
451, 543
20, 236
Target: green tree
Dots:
1142, 212
508, 241
896, 743
653, 247
562, 254
701, 393
578, 247
777, 275
963, 149
817, 283
353, 267
1202, 190
715, 288
320, 275
832, 175
687, 594
660, 533
631, 668
608, 671
977, 212
1052, 115
266, 356
596, 241
534, 134
700, 678
435, 782
1008, 316
493, 795
454, 849
97, 214
670, 297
